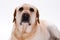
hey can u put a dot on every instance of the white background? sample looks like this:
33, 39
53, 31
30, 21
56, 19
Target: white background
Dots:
49, 10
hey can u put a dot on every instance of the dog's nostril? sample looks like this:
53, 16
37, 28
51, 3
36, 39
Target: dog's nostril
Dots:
25, 15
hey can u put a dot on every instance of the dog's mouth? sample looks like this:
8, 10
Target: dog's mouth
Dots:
25, 18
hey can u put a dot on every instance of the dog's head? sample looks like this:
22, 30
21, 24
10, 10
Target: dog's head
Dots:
26, 14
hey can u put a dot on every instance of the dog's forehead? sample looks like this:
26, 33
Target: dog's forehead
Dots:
27, 6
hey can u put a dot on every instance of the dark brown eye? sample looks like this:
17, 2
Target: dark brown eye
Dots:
31, 9
21, 9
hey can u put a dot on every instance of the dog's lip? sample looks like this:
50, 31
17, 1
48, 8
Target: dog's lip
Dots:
25, 23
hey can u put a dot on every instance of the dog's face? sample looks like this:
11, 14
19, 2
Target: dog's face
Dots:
26, 14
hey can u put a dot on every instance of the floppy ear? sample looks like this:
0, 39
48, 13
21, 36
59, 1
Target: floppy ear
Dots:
14, 16
37, 16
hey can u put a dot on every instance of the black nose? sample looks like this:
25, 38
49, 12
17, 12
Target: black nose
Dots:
25, 17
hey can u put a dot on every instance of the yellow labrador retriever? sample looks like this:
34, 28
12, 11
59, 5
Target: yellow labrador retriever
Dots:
27, 25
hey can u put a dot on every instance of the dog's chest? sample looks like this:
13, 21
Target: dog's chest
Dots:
39, 35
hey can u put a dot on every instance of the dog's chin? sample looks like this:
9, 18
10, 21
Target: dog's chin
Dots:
25, 23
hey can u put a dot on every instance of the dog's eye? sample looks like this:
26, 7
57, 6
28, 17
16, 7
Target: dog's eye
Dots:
31, 9
21, 9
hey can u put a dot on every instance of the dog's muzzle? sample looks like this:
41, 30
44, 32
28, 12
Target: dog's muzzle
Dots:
25, 18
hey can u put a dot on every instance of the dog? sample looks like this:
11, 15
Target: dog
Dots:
27, 25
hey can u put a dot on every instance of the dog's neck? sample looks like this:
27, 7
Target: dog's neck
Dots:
23, 32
